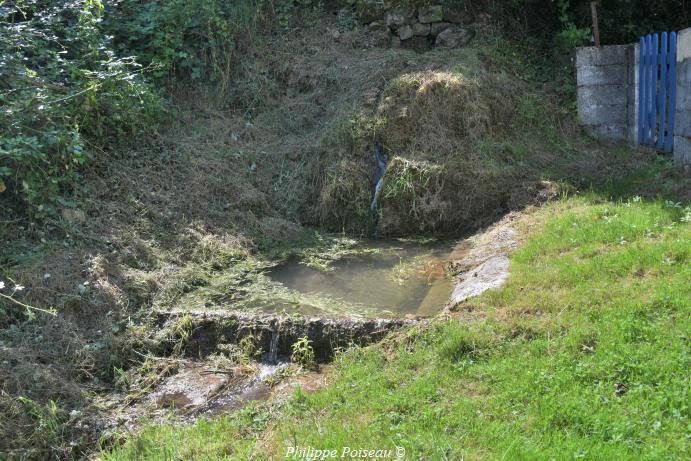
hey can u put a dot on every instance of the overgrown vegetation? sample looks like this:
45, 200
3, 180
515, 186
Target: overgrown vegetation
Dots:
162, 154
64, 94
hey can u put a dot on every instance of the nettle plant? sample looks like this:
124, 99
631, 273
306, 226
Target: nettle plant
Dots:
62, 89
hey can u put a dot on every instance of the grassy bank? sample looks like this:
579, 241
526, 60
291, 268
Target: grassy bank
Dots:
583, 354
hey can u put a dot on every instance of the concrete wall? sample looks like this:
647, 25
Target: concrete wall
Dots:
607, 80
682, 117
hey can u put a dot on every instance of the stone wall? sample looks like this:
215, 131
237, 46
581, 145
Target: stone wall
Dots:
682, 117
403, 24
607, 80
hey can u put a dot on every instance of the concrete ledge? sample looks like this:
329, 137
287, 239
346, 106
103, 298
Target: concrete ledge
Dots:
602, 75
606, 55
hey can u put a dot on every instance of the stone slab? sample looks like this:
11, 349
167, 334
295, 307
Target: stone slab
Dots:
602, 75
603, 115
605, 55
682, 122
602, 95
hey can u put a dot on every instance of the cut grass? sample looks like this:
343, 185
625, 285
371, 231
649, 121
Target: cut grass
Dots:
582, 354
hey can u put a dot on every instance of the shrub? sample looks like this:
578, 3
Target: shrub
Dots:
62, 89
303, 352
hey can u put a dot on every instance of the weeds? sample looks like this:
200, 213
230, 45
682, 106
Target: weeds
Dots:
303, 352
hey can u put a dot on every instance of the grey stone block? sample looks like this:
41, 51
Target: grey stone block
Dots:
682, 122
684, 71
431, 13
684, 44
601, 75
439, 27
398, 17
612, 134
421, 30
683, 97
602, 95
603, 115
682, 152
405, 32
605, 55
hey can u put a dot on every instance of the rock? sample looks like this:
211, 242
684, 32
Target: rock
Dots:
405, 32
397, 17
431, 13
376, 25
490, 274
379, 34
369, 10
417, 44
395, 42
369, 97
421, 30
73, 216
457, 14
335, 33
453, 37
437, 27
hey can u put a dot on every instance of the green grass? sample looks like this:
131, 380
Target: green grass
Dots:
583, 354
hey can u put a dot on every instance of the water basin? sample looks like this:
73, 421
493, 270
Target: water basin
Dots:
387, 278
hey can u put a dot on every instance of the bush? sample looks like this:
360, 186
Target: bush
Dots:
181, 38
62, 89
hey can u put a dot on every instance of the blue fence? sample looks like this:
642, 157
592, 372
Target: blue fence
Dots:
657, 90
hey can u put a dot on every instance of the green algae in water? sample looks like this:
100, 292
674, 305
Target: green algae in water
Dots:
400, 277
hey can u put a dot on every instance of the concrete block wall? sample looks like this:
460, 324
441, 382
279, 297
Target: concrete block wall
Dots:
682, 116
607, 80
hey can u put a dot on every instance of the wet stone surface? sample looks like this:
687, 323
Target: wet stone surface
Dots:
197, 389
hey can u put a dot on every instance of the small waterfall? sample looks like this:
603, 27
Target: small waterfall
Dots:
272, 357
381, 160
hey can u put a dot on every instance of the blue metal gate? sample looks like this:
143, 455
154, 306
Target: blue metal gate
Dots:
657, 85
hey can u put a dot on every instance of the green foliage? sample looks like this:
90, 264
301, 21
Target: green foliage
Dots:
62, 89
286, 9
194, 39
303, 352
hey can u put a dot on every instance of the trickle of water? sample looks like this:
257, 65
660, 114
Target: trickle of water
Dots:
381, 161
272, 357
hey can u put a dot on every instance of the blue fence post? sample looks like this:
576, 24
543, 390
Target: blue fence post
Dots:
653, 89
648, 87
661, 137
669, 142
641, 91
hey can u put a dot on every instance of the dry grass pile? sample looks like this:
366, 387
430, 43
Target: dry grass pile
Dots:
466, 144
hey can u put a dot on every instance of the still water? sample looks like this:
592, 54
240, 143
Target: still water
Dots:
387, 278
